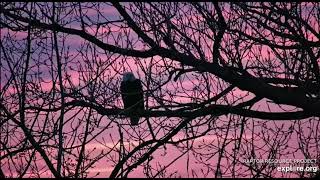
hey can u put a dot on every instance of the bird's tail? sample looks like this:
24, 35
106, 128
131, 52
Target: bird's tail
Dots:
134, 120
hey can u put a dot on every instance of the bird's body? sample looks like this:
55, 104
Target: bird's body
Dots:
132, 96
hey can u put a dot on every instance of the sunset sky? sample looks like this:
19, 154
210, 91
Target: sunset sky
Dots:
91, 43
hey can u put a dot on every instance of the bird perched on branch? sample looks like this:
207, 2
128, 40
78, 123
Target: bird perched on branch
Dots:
132, 96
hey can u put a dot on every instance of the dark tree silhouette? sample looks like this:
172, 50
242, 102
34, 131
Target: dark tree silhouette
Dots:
223, 83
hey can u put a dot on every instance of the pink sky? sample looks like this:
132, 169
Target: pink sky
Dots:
113, 70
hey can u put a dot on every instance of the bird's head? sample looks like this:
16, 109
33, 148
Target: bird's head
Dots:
128, 76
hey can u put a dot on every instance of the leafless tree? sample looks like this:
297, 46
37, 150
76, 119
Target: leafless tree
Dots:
223, 82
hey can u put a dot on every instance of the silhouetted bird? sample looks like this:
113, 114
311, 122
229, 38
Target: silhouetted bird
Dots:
132, 96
